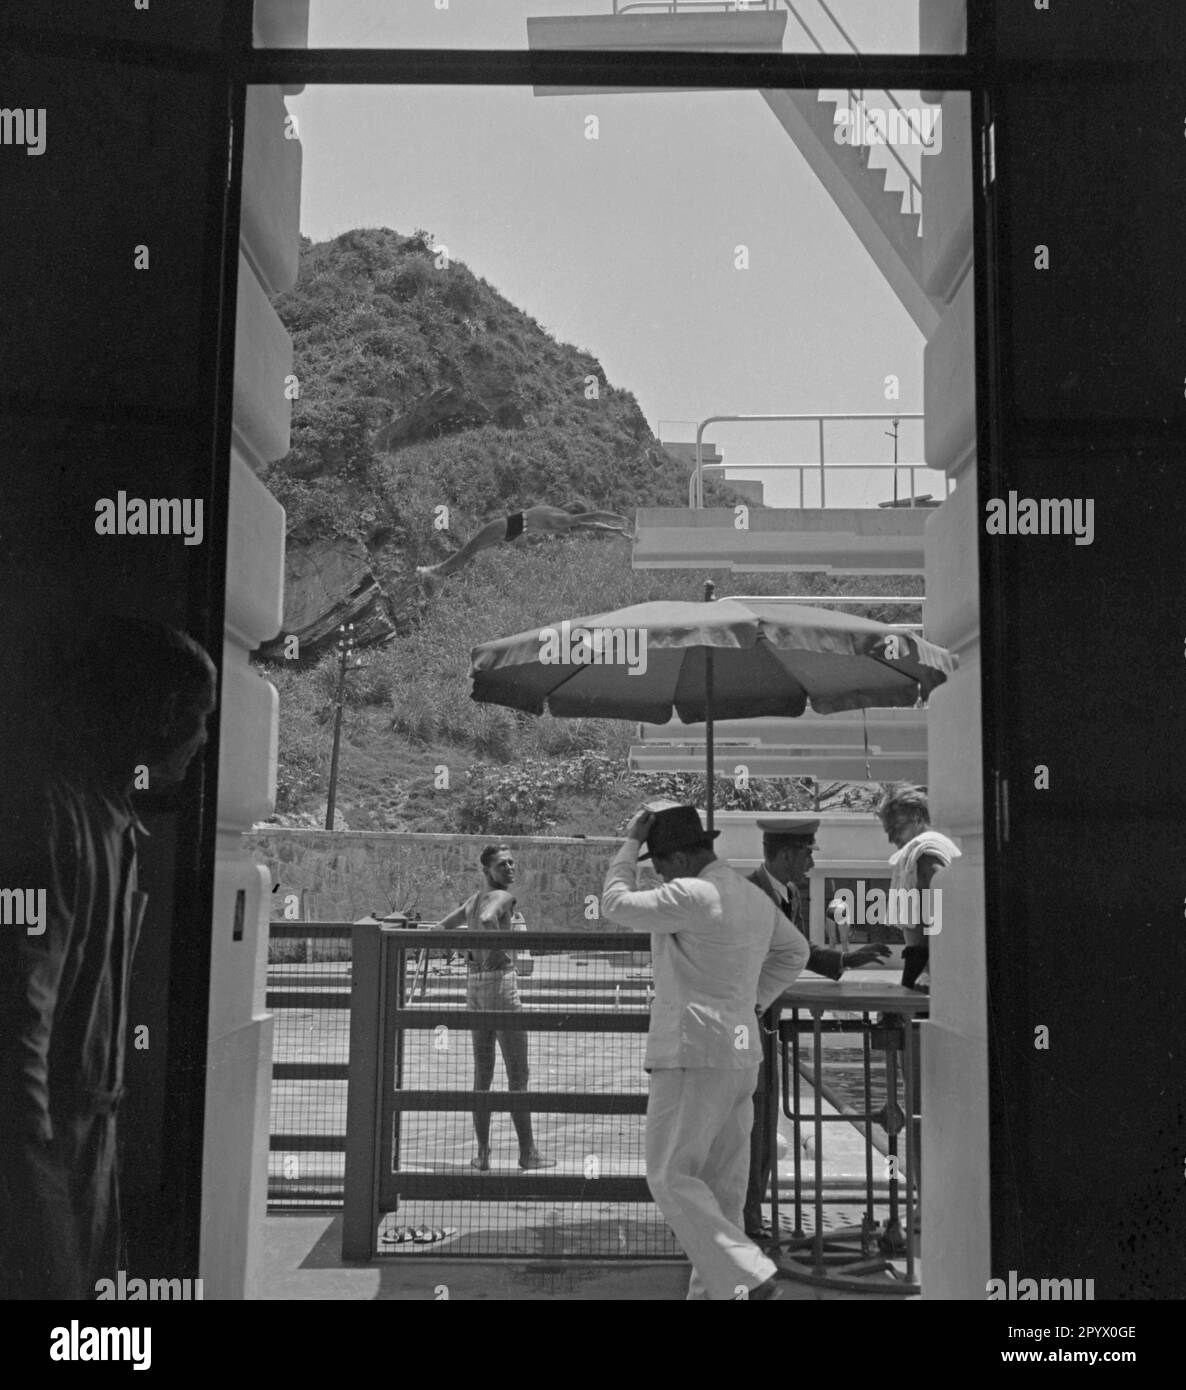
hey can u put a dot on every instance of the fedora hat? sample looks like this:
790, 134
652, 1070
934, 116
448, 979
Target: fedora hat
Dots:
678, 827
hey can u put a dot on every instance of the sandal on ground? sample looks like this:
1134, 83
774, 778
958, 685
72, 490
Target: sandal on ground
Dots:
430, 1235
399, 1235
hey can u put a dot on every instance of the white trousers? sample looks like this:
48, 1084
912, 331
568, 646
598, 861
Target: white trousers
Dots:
698, 1134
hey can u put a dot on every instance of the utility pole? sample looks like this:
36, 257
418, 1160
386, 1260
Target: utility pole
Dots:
345, 649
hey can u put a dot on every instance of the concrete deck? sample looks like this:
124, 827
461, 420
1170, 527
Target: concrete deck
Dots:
301, 1256
301, 1260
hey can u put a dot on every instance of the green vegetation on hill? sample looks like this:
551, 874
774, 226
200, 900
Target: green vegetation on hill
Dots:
422, 387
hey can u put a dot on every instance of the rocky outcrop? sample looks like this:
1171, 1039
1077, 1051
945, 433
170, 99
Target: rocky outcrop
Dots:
328, 583
448, 410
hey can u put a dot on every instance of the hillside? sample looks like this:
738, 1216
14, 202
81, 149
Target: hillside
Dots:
421, 389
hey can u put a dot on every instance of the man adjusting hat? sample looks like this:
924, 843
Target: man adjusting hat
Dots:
722, 952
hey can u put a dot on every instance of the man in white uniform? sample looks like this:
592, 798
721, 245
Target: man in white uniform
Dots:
919, 854
722, 954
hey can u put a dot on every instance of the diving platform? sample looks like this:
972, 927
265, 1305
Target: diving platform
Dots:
686, 27
831, 747
826, 540
902, 730
780, 762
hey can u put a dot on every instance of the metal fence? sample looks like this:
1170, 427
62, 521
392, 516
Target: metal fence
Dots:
310, 999
585, 1016
586, 1008
415, 1105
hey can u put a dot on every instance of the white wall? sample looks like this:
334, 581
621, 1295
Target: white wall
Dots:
955, 1210
235, 1156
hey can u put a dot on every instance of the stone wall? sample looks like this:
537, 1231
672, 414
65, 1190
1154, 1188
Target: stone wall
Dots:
343, 875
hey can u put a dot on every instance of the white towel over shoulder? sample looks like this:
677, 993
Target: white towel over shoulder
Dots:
904, 862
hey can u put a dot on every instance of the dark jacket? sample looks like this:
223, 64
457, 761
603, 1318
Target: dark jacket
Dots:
63, 1027
824, 960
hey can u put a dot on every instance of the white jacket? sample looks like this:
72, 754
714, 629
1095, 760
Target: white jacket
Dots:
721, 950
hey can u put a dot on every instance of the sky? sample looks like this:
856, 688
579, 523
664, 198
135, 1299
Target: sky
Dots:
626, 245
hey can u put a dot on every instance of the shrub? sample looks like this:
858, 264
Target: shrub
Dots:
286, 952
376, 682
494, 732
414, 277
568, 737
517, 801
303, 752
460, 292
415, 715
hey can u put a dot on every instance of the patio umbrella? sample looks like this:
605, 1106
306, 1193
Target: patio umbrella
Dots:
728, 659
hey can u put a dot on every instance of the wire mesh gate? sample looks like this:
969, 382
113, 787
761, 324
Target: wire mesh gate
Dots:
412, 1102
310, 999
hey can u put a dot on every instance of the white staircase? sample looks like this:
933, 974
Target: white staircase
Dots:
892, 236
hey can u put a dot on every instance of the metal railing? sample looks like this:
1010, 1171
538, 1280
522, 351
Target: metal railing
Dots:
818, 599
677, 7
307, 1133
696, 481
691, 6
413, 1091
317, 1042
310, 999
915, 188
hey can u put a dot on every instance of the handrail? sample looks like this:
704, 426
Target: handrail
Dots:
843, 32
802, 468
673, 6
915, 185
819, 48
830, 598
696, 481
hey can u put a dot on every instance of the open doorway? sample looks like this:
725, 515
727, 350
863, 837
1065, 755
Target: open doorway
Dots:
433, 382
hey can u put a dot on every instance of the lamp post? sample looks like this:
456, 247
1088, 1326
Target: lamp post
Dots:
345, 649
893, 434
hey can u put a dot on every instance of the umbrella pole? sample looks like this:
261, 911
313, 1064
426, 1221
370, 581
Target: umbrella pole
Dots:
710, 590
708, 748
